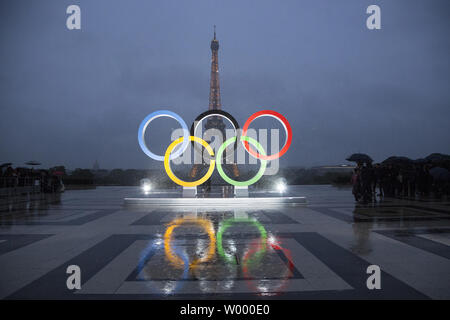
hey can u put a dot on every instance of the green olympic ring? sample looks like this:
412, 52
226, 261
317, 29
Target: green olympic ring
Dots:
251, 181
228, 223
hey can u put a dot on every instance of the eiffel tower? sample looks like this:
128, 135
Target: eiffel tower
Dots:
214, 122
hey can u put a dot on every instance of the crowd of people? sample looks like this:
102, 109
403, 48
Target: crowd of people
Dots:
43, 180
400, 180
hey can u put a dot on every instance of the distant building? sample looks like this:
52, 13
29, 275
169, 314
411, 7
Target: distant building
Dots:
96, 166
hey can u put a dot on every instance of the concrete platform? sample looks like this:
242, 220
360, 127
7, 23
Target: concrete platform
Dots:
222, 202
215, 197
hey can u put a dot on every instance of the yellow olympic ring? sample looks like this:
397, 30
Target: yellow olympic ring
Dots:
205, 224
186, 183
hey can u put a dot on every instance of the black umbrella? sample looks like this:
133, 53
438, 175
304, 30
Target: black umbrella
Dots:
6, 164
438, 157
360, 157
397, 160
33, 163
440, 174
420, 161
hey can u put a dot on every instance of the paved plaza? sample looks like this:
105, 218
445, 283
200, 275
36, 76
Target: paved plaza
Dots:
318, 250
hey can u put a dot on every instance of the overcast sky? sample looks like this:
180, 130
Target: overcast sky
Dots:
71, 97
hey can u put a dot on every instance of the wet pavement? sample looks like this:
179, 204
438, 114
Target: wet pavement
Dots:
320, 250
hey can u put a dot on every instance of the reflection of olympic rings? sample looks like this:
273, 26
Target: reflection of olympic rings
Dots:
212, 113
186, 183
287, 254
228, 223
258, 175
205, 224
284, 122
150, 118
288, 274
260, 154
151, 249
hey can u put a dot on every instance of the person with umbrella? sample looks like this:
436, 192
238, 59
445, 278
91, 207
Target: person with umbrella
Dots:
379, 180
11, 177
366, 175
355, 181
441, 179
367, 179
35, 177
3, 173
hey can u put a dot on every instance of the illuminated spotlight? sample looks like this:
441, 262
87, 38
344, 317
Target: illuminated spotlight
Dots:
281, 186
146, 187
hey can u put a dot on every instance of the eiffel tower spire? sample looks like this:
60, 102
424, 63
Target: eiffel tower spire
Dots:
214, 88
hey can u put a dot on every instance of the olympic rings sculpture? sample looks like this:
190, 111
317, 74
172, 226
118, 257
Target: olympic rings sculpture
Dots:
189, 136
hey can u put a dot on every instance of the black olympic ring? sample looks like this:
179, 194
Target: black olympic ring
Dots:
210, 113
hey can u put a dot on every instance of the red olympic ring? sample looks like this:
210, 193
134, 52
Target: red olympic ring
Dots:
286, 126
290, 271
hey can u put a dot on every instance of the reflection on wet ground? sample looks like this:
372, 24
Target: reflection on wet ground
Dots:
29, 202
216, 258
321, 250
27, 207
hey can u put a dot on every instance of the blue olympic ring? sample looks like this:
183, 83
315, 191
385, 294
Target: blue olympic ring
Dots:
150, 118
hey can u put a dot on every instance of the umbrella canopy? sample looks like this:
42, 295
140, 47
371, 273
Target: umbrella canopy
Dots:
33, 163
420, 161
6, 164
397, 160
360, 157
440, 174
438, 157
